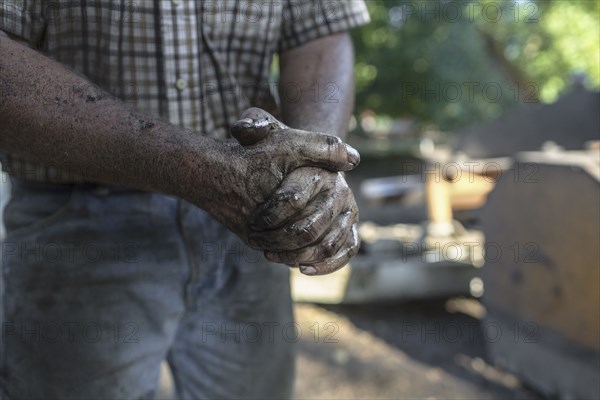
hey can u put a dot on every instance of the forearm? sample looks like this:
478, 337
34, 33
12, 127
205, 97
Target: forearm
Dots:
45, 117
323, 71
48, 116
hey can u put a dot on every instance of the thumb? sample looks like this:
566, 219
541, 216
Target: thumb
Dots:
254, 125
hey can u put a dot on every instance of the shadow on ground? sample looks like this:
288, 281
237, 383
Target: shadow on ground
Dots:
414, 350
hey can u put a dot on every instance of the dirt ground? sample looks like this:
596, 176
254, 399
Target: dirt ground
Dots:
425, 350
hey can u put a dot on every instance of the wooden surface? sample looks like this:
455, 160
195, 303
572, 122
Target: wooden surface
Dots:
542, 239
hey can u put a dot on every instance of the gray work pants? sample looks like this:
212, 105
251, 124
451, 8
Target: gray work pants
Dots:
102, 284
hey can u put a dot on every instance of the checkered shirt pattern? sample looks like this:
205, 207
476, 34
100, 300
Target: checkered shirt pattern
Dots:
196, 64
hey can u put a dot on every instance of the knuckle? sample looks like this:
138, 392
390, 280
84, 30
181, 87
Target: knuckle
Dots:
354, 249
295, 201
281, 194
295, 231
337, 150
333, 140
328, 249
347, 217
310, 232
266, 221
341, 183
355, 244
346, 192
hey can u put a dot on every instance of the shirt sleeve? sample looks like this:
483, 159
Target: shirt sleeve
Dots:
306, 20
24, 19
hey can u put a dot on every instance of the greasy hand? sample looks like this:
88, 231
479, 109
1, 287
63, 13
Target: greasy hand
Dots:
310, 222
270, 152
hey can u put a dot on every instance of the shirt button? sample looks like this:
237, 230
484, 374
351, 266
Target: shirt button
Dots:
181, 84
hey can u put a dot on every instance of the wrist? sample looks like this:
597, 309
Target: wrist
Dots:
187, 164
206, 172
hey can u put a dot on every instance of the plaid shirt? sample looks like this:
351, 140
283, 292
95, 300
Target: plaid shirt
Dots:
196, 64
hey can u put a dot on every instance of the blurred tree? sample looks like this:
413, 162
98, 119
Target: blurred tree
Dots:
454, 63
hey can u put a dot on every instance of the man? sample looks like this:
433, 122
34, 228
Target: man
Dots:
109, 267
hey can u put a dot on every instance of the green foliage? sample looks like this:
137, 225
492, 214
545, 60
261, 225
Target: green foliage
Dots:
555, 40
455, 63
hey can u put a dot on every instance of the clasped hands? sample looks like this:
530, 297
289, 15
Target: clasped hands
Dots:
300, 209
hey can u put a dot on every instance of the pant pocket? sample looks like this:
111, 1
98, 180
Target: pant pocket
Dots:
33, 206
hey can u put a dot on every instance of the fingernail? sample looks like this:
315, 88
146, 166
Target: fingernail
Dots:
242, 125
308, 270
353, 156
